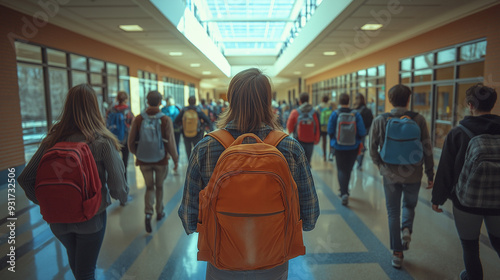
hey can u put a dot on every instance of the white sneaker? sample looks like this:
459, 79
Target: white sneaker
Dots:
397, 260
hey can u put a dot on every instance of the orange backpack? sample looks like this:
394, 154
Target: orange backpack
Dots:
249, 216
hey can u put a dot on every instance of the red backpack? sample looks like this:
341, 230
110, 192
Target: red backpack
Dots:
249, 213
305, 129
67, 186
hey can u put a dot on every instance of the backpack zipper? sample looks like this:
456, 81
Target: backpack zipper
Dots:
58, 183
402, 140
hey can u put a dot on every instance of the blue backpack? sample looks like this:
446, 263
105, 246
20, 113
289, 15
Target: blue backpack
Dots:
150, 147
402, 143
172, 112
115, 122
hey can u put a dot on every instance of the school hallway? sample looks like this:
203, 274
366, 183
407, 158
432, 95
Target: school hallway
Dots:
348, 242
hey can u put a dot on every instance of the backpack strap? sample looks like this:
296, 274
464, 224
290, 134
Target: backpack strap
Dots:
274, 137
467, 131
222, 136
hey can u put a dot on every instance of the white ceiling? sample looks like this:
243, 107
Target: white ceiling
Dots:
99, 19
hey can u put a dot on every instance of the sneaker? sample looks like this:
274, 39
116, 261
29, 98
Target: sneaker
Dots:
148, 223
160, 216
463, 275
345, 199
397, 259
406, 238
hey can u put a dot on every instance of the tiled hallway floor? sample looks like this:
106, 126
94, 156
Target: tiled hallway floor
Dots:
348, 242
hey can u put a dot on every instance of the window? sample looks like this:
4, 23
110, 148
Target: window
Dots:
175, 89
147, 82
439, 88
369, 82
42, 96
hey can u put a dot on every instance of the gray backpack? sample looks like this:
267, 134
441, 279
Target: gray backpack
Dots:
346, 128
150, 147
479, 181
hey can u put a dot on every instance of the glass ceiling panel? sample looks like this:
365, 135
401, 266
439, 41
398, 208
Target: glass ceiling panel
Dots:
245, 24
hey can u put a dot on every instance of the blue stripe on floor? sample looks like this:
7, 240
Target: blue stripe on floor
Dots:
182, 263
377, 252
128, 257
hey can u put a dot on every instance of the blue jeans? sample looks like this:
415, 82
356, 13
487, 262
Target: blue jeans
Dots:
83, 250
308, 149
345, 162
279, 272
362, 154
393, 194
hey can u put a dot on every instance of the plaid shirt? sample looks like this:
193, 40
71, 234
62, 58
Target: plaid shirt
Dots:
204, 158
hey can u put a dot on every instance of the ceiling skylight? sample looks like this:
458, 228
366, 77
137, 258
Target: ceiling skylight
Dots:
258, 25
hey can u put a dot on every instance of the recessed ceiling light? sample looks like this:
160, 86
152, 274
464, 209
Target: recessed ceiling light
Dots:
329, 53
195, 65
371, 26
131, 28
206, 72
309, 65
175, 53
297, 73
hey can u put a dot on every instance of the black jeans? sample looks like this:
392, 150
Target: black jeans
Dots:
125, 153
177, 136
189, 143
345, 162
83, 250
308, 149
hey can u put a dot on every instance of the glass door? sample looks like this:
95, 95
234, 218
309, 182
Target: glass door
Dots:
443, 113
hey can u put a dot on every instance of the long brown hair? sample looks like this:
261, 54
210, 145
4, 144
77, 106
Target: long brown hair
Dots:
80, 114
250, 102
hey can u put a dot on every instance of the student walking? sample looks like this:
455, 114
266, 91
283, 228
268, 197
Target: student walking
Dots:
172, 110
472, 186
190, 119
303, 122
399, 146
80, 129
346, 130
367, 116
254, 220
325, 110
118, 120
152, 141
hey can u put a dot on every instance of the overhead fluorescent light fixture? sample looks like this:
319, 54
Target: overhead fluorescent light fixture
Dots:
371, 26
131, 28
195, 65
297, 73
175, 53
329, 53
309, 65
206, 73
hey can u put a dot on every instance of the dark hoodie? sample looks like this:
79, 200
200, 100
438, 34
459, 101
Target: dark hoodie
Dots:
453, 158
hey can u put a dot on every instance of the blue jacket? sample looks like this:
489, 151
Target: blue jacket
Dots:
332, 128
